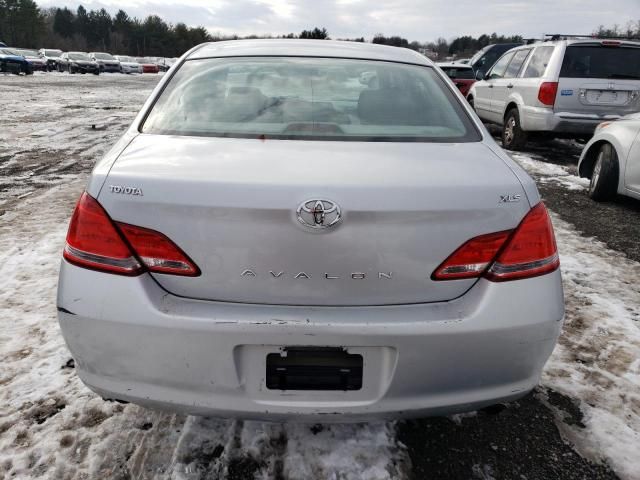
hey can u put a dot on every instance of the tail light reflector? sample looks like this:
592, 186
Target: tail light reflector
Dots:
547, 93
528, 251
94, 241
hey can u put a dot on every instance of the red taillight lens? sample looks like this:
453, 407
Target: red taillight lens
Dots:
547, 93
95, 241
472, 258
528, 251
531, 250
157, 252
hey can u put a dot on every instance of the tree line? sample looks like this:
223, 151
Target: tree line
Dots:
24, 24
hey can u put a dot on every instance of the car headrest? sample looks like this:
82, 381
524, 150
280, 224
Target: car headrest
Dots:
389, 106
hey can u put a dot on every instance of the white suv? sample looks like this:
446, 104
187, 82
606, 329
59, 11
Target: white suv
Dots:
561, 88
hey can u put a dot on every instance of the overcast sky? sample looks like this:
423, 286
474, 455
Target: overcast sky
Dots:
422, 20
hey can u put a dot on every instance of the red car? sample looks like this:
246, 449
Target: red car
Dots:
462, 75
147, 65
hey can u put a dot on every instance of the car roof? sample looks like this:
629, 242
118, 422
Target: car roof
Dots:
581, 41
308, 48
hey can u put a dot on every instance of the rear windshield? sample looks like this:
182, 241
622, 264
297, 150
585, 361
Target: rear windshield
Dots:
309, 98
601, 62
460, 73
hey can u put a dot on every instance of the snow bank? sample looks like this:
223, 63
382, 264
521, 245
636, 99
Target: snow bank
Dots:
546, 172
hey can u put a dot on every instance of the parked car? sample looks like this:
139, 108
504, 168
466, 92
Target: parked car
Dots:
106, 61
484, 59
13, 63
80, 62
51, 57
162, 63
611, 159
462, 75
562, 88
31, 56
348, 265
128, 64
148, 66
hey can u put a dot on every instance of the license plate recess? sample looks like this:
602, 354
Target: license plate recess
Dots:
313, 368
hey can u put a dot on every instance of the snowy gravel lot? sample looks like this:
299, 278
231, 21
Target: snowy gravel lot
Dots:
583, 422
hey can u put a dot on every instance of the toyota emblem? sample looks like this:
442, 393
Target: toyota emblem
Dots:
319, 213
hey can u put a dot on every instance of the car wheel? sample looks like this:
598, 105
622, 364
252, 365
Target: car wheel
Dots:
604, 176
513, 137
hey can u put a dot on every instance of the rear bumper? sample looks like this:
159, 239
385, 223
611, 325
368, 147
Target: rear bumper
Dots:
110, 68
85, 68
133, 341
537, 119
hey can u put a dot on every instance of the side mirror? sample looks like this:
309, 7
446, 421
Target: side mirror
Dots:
480, 75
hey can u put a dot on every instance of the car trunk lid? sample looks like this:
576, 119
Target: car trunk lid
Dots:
231, 205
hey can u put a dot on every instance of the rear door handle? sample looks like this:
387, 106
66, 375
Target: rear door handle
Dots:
510, 85
491, 85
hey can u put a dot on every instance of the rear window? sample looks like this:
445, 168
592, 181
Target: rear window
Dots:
309, 99
601, 62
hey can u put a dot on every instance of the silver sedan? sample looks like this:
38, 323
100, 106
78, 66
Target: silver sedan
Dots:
273, 238
611, 159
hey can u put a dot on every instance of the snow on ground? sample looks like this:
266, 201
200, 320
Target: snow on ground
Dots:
597, 360
549, 172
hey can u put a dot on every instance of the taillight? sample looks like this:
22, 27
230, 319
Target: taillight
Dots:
547, 93
531, 250
94, 241
157, 252
528, 251
471, 259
